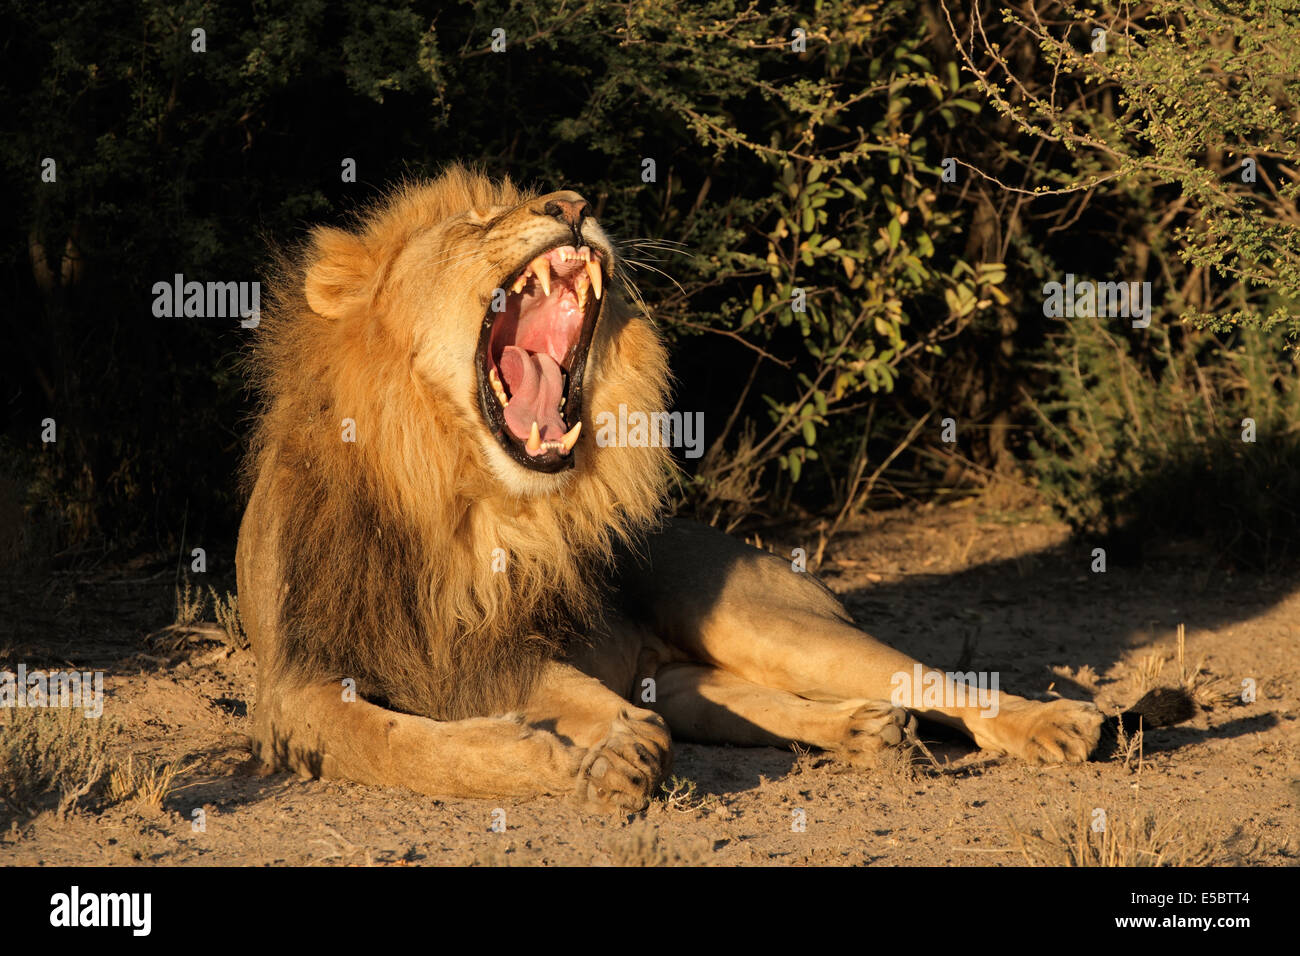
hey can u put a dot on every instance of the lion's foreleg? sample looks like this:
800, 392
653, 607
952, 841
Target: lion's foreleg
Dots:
316, 732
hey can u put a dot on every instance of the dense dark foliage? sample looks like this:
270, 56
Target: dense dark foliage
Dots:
798, 152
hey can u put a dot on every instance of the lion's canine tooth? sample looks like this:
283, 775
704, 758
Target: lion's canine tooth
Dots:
543, 269
593, 270
571, 439
534, 440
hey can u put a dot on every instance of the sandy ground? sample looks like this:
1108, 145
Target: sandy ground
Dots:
1009, 593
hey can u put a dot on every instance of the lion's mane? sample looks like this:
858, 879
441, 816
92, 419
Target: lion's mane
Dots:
388, 546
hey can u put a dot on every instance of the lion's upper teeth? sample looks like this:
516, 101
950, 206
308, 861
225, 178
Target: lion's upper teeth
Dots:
589, 277
543, 269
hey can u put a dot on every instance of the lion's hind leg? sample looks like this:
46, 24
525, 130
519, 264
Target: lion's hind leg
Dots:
709, 705
715, 599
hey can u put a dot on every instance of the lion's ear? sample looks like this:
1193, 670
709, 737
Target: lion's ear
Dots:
341, 276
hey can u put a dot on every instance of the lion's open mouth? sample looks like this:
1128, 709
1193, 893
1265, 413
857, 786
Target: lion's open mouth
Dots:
532, 353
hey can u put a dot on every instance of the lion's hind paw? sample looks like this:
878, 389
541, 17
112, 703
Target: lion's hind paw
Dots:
872, 728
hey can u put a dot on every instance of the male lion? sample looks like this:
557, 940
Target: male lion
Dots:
451, 586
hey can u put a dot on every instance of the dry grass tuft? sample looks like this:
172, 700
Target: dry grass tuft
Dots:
147, 785
227, 613
805, 759
1208, 691
190, 603
1128, 839
48, 753
190, 629
682, 795
1128, 747
1083, 677
1149, 667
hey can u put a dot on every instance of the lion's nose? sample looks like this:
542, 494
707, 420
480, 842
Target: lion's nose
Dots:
571, 212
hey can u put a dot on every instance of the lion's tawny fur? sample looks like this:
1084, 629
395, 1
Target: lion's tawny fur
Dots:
406, 563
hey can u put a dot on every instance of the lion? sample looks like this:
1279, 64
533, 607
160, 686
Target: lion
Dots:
451, 585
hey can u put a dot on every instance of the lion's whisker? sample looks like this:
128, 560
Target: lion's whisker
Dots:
655, 244
641, 264
632, 289
659, 245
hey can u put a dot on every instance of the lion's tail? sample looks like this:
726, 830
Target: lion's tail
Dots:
1159, 707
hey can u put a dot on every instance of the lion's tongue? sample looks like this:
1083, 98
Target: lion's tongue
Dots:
536, 386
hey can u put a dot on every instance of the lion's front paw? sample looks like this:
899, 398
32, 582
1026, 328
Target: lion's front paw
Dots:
621, 772
1058, 731
872, 727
